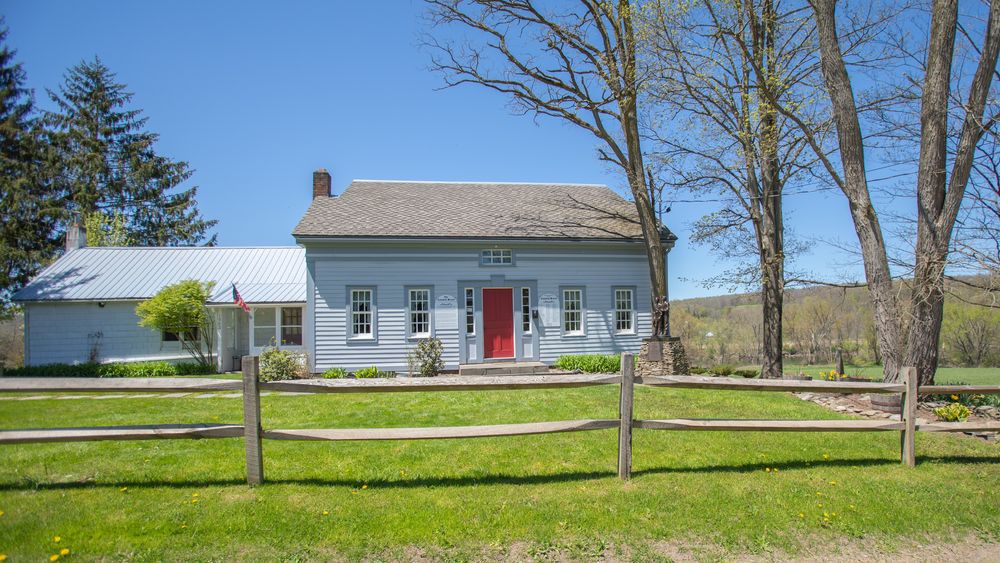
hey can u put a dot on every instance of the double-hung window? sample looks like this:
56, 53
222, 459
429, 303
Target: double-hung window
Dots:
419, 306
362, 321
624, 311
526, 310
572, 311
470, 311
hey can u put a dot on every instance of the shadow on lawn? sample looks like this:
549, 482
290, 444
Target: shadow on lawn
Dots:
497, 479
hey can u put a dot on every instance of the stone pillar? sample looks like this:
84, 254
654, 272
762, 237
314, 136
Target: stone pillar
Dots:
662, 356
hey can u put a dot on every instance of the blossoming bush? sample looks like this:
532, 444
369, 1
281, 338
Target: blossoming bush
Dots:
279, 365
425, 360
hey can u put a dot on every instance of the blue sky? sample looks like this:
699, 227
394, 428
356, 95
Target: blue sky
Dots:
256, 95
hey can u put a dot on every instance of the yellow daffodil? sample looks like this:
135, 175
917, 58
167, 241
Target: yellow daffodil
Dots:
64, 551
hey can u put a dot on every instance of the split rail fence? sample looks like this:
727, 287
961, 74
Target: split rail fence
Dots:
253, 431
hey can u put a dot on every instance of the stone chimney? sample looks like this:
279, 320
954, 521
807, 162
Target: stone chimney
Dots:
321, 183
76, 236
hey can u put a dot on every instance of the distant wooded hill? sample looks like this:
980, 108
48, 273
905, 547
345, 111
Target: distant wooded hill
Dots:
726, 329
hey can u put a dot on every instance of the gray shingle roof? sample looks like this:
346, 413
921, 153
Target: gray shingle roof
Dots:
262, 275
403, 209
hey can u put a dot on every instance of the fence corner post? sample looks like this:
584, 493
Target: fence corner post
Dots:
908, 415
251, 421
625, 417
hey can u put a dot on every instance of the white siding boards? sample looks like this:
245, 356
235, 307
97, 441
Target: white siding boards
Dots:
448, 277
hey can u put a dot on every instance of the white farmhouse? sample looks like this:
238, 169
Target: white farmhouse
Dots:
499, 272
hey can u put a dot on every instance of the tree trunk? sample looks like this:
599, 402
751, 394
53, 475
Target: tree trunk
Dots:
855, 187
939, 198
636, 171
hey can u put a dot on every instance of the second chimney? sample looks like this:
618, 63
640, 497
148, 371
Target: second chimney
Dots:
321, 183
76, 236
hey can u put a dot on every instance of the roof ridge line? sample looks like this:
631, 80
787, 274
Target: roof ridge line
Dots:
479, 182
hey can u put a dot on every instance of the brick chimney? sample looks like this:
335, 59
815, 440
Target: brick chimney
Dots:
76, 236
321, 183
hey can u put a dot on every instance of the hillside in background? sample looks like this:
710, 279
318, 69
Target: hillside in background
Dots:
819, 320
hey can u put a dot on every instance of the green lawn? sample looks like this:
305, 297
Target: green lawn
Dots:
462, 498
971, 376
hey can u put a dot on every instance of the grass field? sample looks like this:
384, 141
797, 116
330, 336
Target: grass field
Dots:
460, 499
971, 376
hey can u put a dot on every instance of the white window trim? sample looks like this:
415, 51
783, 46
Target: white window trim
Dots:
583, 312
616, 310
409, 313
494, 254
470, 292
525, 322
372, 312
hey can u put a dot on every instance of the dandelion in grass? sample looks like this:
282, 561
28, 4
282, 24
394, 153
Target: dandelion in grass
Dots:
826, 456
3, 556
64, 552
123, 489
57, 539
54, 557
184, 526
954, 397
326, 513
834, 483
195, 495
364, 487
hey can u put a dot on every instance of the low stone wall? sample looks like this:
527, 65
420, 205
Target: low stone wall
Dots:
671, 358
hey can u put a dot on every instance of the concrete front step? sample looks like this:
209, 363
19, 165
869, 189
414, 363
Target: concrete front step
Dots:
503, 368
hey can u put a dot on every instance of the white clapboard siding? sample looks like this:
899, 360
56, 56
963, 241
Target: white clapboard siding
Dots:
392, 269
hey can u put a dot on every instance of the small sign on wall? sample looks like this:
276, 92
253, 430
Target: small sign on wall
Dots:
444, 318
548, 309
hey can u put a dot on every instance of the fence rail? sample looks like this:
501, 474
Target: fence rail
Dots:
253, 432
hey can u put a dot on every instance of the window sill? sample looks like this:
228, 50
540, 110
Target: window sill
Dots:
425, 336
574, 335
625, 333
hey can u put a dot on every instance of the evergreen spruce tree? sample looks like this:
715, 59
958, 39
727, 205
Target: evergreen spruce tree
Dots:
107, 162
29, 205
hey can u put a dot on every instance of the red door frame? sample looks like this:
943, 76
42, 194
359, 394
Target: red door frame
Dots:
498, 323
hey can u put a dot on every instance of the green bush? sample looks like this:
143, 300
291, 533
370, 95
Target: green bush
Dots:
747, 373
425, 360
589, 363
118, 369
955, 412
695, 370
335, 373
721, 370
279, 365
372, 373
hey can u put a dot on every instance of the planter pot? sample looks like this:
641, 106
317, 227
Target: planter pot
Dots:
886, 403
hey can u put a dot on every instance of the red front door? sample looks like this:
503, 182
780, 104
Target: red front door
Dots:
498, 323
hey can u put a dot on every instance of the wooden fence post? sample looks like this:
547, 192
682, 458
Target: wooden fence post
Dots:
908, 414
625, 417
251, 421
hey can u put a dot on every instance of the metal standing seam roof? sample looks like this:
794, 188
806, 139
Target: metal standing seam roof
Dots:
261, 274
409, 209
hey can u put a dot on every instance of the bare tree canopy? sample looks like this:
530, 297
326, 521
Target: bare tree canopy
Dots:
576, 62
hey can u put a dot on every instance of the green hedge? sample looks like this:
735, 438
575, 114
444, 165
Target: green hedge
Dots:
120, 369
590, 363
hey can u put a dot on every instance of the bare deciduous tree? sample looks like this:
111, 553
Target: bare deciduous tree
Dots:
576, 63
719, 69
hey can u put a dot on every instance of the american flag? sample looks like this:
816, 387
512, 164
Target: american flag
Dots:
238, 299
